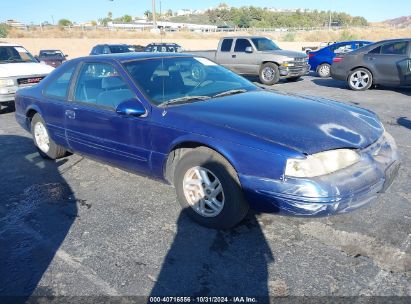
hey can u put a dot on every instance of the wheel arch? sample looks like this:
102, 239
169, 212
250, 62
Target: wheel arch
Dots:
30, 112
178, 149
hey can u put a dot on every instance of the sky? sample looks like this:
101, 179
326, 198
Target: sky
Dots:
85, 10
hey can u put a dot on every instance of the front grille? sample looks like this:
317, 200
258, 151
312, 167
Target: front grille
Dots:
29, 81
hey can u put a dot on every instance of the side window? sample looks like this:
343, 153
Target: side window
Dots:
226, 45
345, 48
241, 45
106, 50
100, 84
396, 48
377, 50
59, 86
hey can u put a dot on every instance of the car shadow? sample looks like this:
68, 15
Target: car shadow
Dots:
7, 109
403, 121
206, 262
37, 209
330, 83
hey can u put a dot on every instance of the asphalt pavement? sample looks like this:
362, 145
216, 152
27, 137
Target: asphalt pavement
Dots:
76, 227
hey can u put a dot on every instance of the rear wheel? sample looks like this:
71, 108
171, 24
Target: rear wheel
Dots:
360, 79
208, 189
324, 70
269, 73
45, 145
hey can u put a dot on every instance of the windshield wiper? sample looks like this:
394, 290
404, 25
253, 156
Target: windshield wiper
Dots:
184, 99
230, 92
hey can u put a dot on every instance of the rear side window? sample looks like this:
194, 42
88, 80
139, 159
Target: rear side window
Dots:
226, 45
377, 50
241, 45
396, 48
341, 49
58, 87
100, 84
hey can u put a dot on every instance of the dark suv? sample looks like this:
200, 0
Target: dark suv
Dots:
163, 47
110, 49
387, 62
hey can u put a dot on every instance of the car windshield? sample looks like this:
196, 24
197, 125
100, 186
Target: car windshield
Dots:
119, 49
264, 44
14, 54
51, 54
184, 79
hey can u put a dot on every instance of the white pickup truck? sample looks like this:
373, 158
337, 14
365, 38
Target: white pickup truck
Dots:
18, 68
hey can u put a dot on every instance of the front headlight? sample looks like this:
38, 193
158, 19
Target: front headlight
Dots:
288, 64
6, 82
321, 163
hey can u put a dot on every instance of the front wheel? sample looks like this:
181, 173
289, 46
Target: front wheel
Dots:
269, 73
45, 145
360, 79
208, 189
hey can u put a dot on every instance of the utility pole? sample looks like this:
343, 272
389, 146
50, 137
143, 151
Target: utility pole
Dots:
154, 13
329, 23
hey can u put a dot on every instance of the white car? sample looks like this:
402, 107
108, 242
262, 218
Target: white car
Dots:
18, 68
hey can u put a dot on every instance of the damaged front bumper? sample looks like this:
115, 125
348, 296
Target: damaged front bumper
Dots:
338, 192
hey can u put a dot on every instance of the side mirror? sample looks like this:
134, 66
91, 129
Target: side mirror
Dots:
131, 107
248, 49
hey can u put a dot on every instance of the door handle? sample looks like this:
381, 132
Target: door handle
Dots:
70, 114
371, 58
233, 56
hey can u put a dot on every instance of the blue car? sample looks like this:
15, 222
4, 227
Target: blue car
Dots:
321, 60
224, 143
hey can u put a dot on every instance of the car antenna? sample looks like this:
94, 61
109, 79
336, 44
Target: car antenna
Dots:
166, 106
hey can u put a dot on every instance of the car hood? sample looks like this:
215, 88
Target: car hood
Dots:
286, 53
24, 69
307, 125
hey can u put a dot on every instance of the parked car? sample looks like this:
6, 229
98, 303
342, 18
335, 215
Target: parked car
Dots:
110, 49
223, 142
307, 49
387, 62
258, 56
321, 60
18, 68
136, 48
163, 47
53, 58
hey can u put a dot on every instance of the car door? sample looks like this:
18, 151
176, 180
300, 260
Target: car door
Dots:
94, 128
241, 61
389, 62
225, 52
55, 95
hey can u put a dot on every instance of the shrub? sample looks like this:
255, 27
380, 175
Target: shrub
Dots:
4, 30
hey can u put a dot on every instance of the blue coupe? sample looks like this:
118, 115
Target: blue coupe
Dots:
224, 143
321, 60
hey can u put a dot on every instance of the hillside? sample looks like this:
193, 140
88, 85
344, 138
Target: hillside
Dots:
400, 21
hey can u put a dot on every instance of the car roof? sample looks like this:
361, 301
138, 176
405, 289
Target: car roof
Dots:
130, 56
9, 44
394, 40
243, 37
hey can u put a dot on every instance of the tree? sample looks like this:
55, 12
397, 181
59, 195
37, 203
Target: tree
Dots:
110, 15
64, 22
127, 18
4, 30
148, 15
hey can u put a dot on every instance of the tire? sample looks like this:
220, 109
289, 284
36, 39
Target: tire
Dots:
269, 73
324, 70
293, 79
40, 136
196, 203
360, 79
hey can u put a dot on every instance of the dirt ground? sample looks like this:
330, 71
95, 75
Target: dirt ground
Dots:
76, 47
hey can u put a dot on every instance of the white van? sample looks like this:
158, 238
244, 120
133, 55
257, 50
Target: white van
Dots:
18, 68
